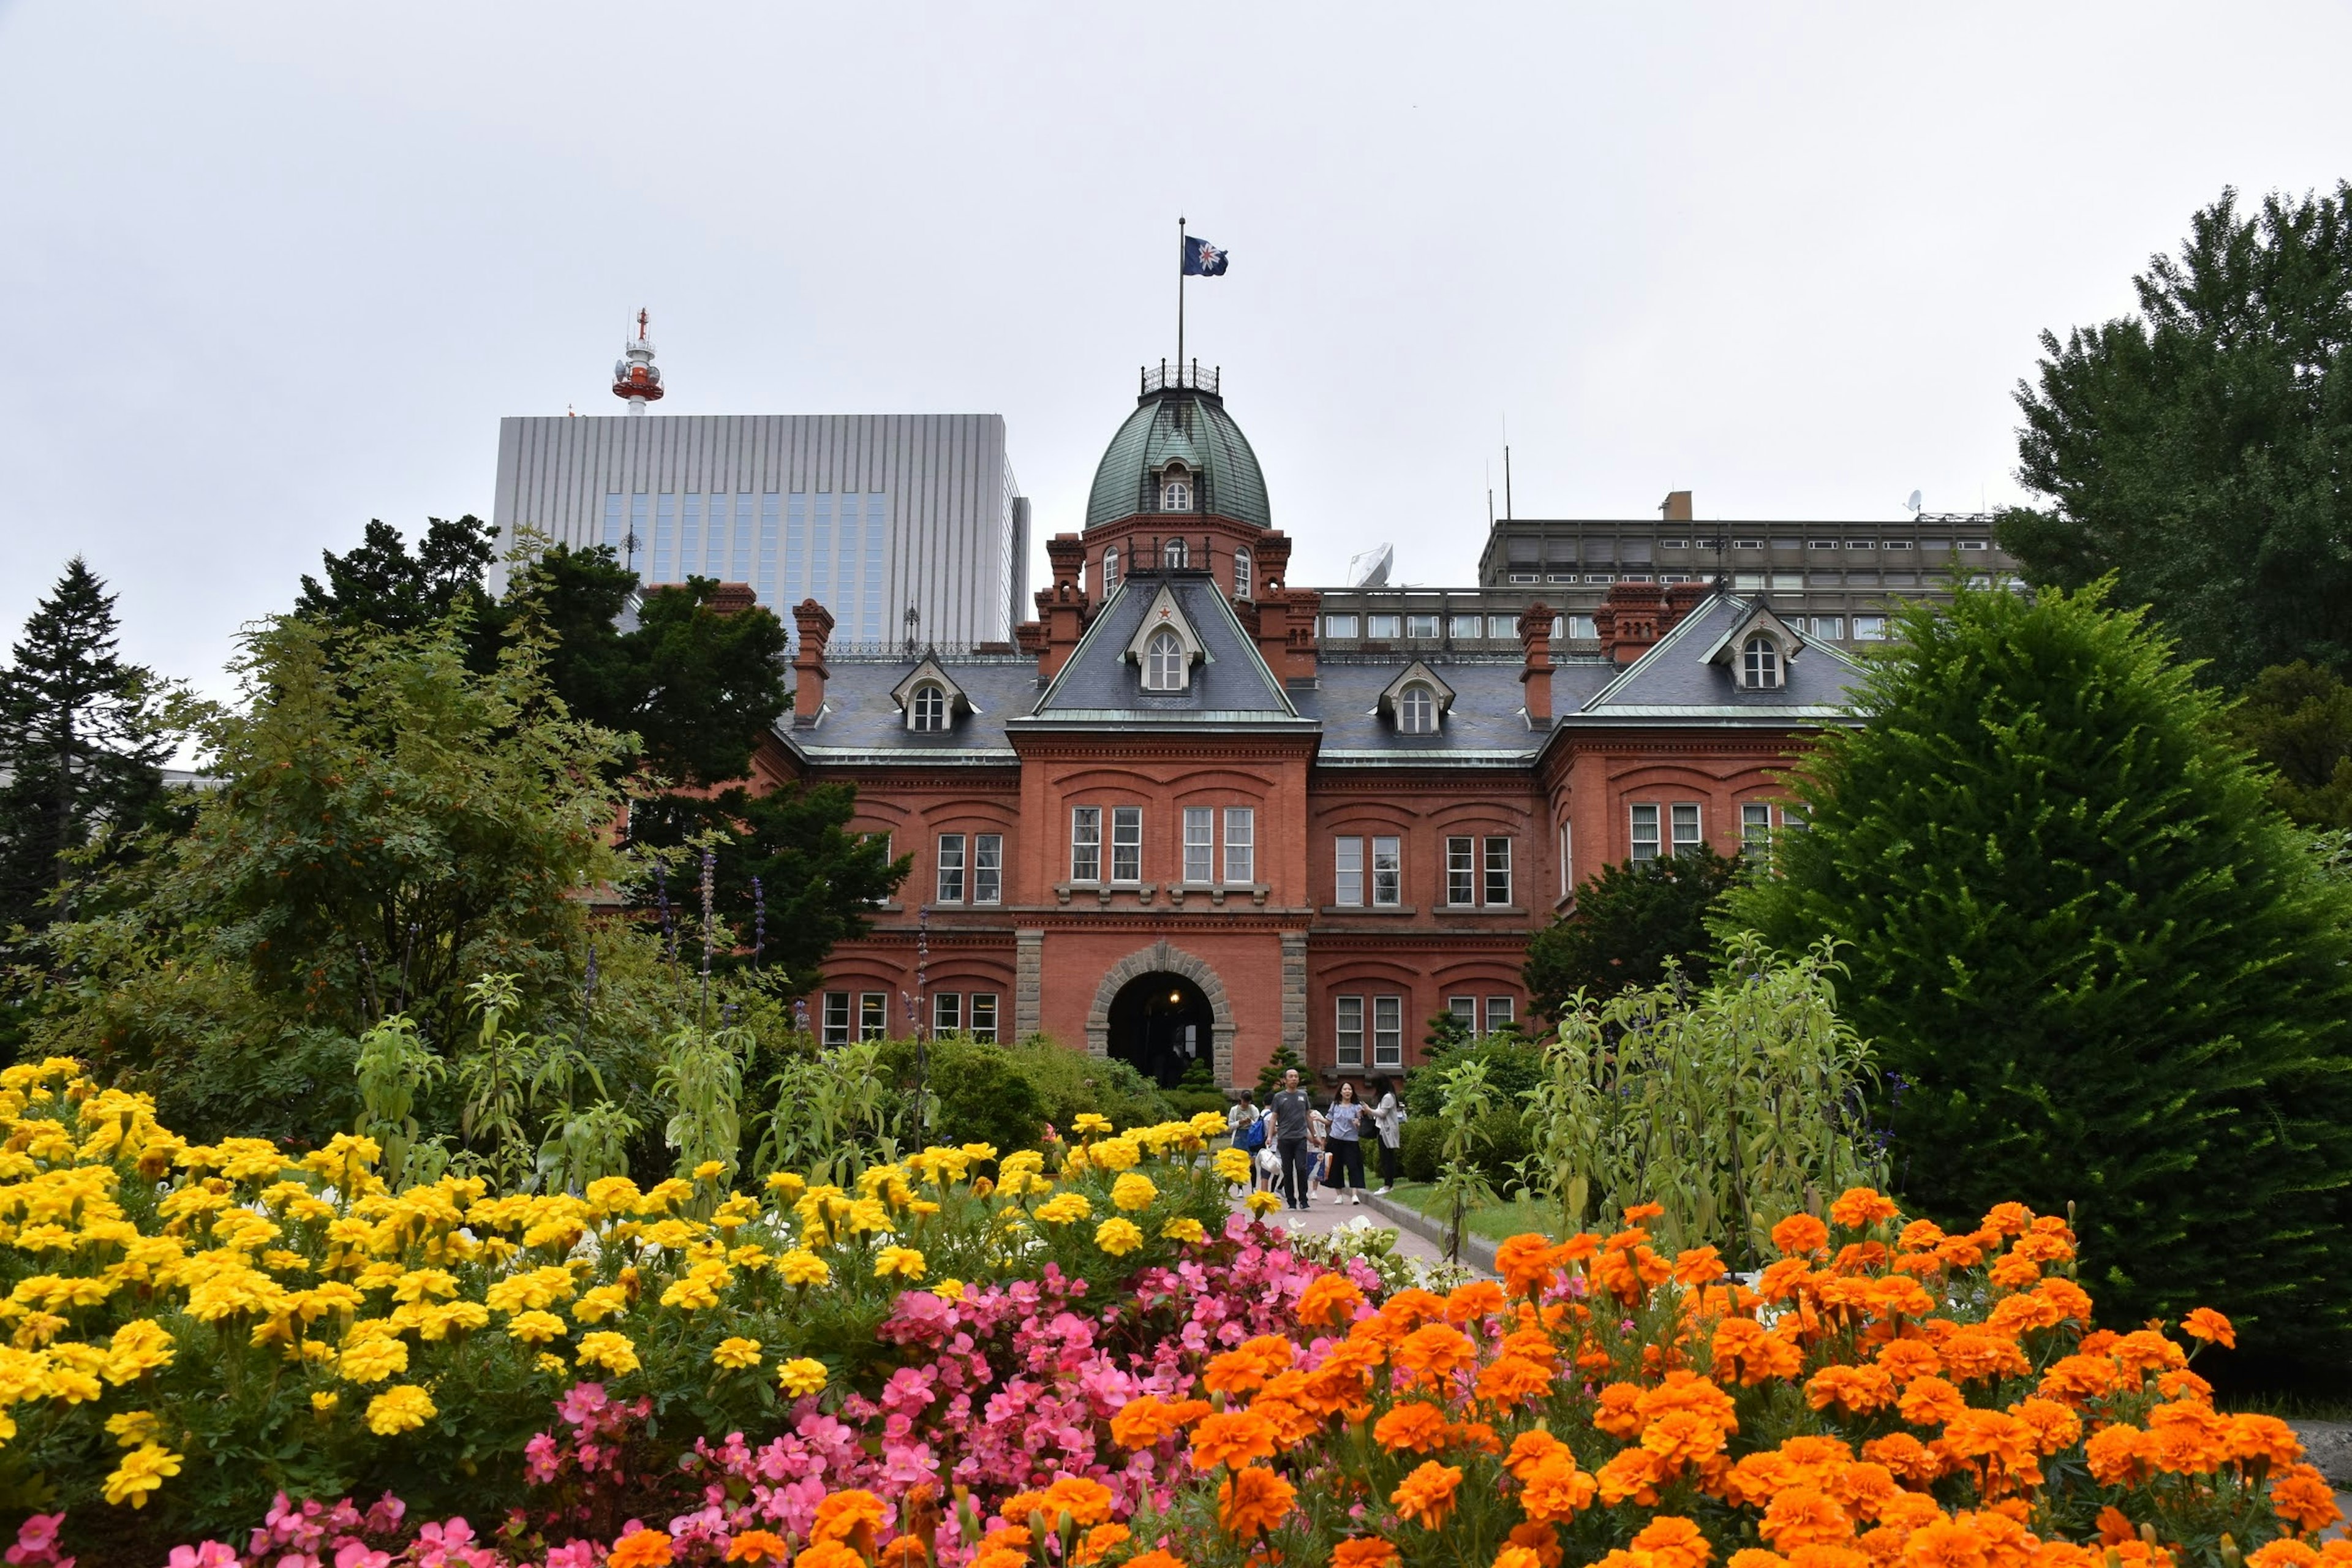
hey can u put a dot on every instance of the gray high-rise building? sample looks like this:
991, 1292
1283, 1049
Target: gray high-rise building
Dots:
871, 515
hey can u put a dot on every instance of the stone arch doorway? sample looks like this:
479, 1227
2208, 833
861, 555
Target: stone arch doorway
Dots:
1160, 1023
1165, 960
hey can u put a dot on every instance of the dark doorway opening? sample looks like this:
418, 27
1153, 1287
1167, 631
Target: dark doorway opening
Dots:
1162, 1024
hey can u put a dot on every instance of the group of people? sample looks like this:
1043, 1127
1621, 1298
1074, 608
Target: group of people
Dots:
1300, 1145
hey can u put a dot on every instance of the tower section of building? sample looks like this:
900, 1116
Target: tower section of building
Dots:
871, 515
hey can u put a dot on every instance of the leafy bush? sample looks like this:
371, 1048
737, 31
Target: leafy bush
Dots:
1513, 1064
1630, 921
1420, 1148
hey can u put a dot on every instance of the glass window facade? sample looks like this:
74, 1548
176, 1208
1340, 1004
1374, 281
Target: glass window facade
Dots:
1388, 872
1086, 844
1200, 852
988, 868
1498, 871
950, 867
1241, 845
1127, 844
1347, 872
984, 1016
1388, 1031
1348, 1031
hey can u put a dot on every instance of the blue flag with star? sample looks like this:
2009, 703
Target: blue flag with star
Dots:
1203, 259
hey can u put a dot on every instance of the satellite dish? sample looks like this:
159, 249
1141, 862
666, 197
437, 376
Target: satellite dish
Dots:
1912, 505
1371, 569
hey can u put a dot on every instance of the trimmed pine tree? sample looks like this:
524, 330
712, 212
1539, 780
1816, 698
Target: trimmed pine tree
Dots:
2100, 969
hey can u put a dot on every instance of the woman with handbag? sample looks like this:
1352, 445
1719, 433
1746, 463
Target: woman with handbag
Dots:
1388, 1122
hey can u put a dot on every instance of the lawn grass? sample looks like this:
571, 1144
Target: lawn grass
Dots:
1495, 1222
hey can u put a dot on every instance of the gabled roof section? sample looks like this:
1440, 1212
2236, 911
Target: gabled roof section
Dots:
1101, 684
1678, 682
1416, 673
1759, 618
1165, 614
929, 671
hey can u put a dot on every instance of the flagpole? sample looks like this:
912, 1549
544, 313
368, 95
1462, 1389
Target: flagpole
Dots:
1179, 300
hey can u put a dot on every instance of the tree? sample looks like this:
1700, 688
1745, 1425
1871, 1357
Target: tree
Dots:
713, 683
383, 584
2098, 967
1628, 920
83, 746
2197, 452
2298, 719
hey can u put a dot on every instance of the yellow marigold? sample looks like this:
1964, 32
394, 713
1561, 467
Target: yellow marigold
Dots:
133, 1427
1262, 1203
787, 1183
709, 1171
1090, 1122
373, 1358
699, 1287
402, 1408
802, 1266
1114, 1154
535, 1328
550, 1363
142, 1470
602, 1302
325, 1400
1066, 1209
801, 1375
140, 1346
1184, 1229
903, 1261
1133, 1192
1119, 1237
610, 1351
1233, 1165
736, 1352
949, 1290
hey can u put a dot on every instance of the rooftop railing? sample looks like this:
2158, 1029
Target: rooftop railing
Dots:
1180, 376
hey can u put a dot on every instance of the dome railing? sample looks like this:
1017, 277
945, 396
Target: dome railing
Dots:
1180, 377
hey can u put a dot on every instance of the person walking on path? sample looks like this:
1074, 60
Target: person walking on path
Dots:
1292, 1112
1388, 1122
1346, 1150
1244, 1122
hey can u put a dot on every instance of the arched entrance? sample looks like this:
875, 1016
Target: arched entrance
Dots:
1162, 1024
1162, 959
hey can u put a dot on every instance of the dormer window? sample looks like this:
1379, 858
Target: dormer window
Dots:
1175, 555
1417, 710
1163, 663
1761, 665
1110, 570
1241, 573
1175, 489
927, 714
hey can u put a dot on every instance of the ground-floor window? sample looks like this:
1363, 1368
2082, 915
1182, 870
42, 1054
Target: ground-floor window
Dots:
1500, 1013
873, 1014
984, 1016
836, 1018
947, 1012
1388, 1031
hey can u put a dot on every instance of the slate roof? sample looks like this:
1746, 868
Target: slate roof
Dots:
1100, 685
1187, 423
1487, 727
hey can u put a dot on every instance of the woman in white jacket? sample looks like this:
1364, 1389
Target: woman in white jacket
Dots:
1388, 1120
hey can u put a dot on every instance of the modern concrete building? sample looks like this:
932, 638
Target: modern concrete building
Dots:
902, 525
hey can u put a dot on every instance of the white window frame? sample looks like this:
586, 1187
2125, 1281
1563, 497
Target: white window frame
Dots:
1110, 570
1494, 873
988, 868
1340, 626
1347, 872
835, 1021
1127, 845
1388, 1033
1242, 582
1461, 871
1689, 830
1241, 845
1502, 1011
983, 1007
873, 1014
1086, 844
1567, 859
952, 868
946, 1013
1469, 629
1175, 552
1760, 664
1200, 845
1417, 710
1163, 662
1388, 861
1755, 828
1421, 627
1463, 1010
1385, 626
1649, 836
1175, 490
927, 714
1870, 629
1347, 1031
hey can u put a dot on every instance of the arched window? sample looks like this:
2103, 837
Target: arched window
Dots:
1163, 663
1176, 554
1110, 570
929, 711
1760, 664
1417, 710
1241, 574
1175, 489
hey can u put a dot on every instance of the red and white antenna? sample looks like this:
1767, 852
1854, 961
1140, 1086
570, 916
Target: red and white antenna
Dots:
635, 378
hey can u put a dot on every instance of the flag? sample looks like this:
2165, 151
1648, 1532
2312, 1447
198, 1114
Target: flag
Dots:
1203, 259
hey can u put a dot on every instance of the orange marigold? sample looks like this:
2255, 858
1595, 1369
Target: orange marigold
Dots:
1477, 1299
834, 1554
1906, 1359
1555, 1490
1085, 1500
1755, 1557
839, 1516
1155, 1558
1532, 1448
1517, 1557
1859, 1389
760, 1546
2075, 1378
1973, 1355
1683, 1438
1538, 1537
1634, 1474
1746, 1349
1232, 1438
1513, 1380
2144, 1350
1426, 1496
1800, 1516
1698, 1266
1800, 1235
1361, 1551
1946, 1544
2301, 1496
1526, 1264
641, 1549
2205, 1323
2118, 1456
1619, 1411
1861, 1207
1433, 1352
2284, 1552
2263, 1437
1414, 1425
2054, 1425
1145, 1420
1328, 1299
1253, 1499
1930, 1402
1673, 1541
1101, 1538
1905, 1456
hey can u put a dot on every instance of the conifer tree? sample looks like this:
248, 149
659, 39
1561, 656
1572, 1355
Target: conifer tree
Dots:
2098, 967
81, 747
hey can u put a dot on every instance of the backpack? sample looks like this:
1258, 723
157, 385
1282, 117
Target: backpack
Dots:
1254, 1136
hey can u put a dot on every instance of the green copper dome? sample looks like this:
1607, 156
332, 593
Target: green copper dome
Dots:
1178, 419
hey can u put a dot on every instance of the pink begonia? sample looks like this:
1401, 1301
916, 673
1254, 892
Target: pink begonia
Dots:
36, 1542
211, 1554
360, 1554
577, 1554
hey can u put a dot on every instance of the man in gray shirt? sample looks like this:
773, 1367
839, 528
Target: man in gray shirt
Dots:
1290, 1109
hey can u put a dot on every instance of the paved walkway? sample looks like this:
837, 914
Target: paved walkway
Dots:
1329, 1212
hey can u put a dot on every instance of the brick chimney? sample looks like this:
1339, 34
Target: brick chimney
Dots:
1062, 605
1535, 681
728, 598
1631, 620
1271, 557
1682, 598
815, 625
1676, 507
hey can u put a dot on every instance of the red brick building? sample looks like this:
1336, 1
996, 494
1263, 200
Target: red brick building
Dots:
1165, 825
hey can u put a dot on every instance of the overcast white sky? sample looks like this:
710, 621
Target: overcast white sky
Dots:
269, 270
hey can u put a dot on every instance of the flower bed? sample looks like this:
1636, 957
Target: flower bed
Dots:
681, 1375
